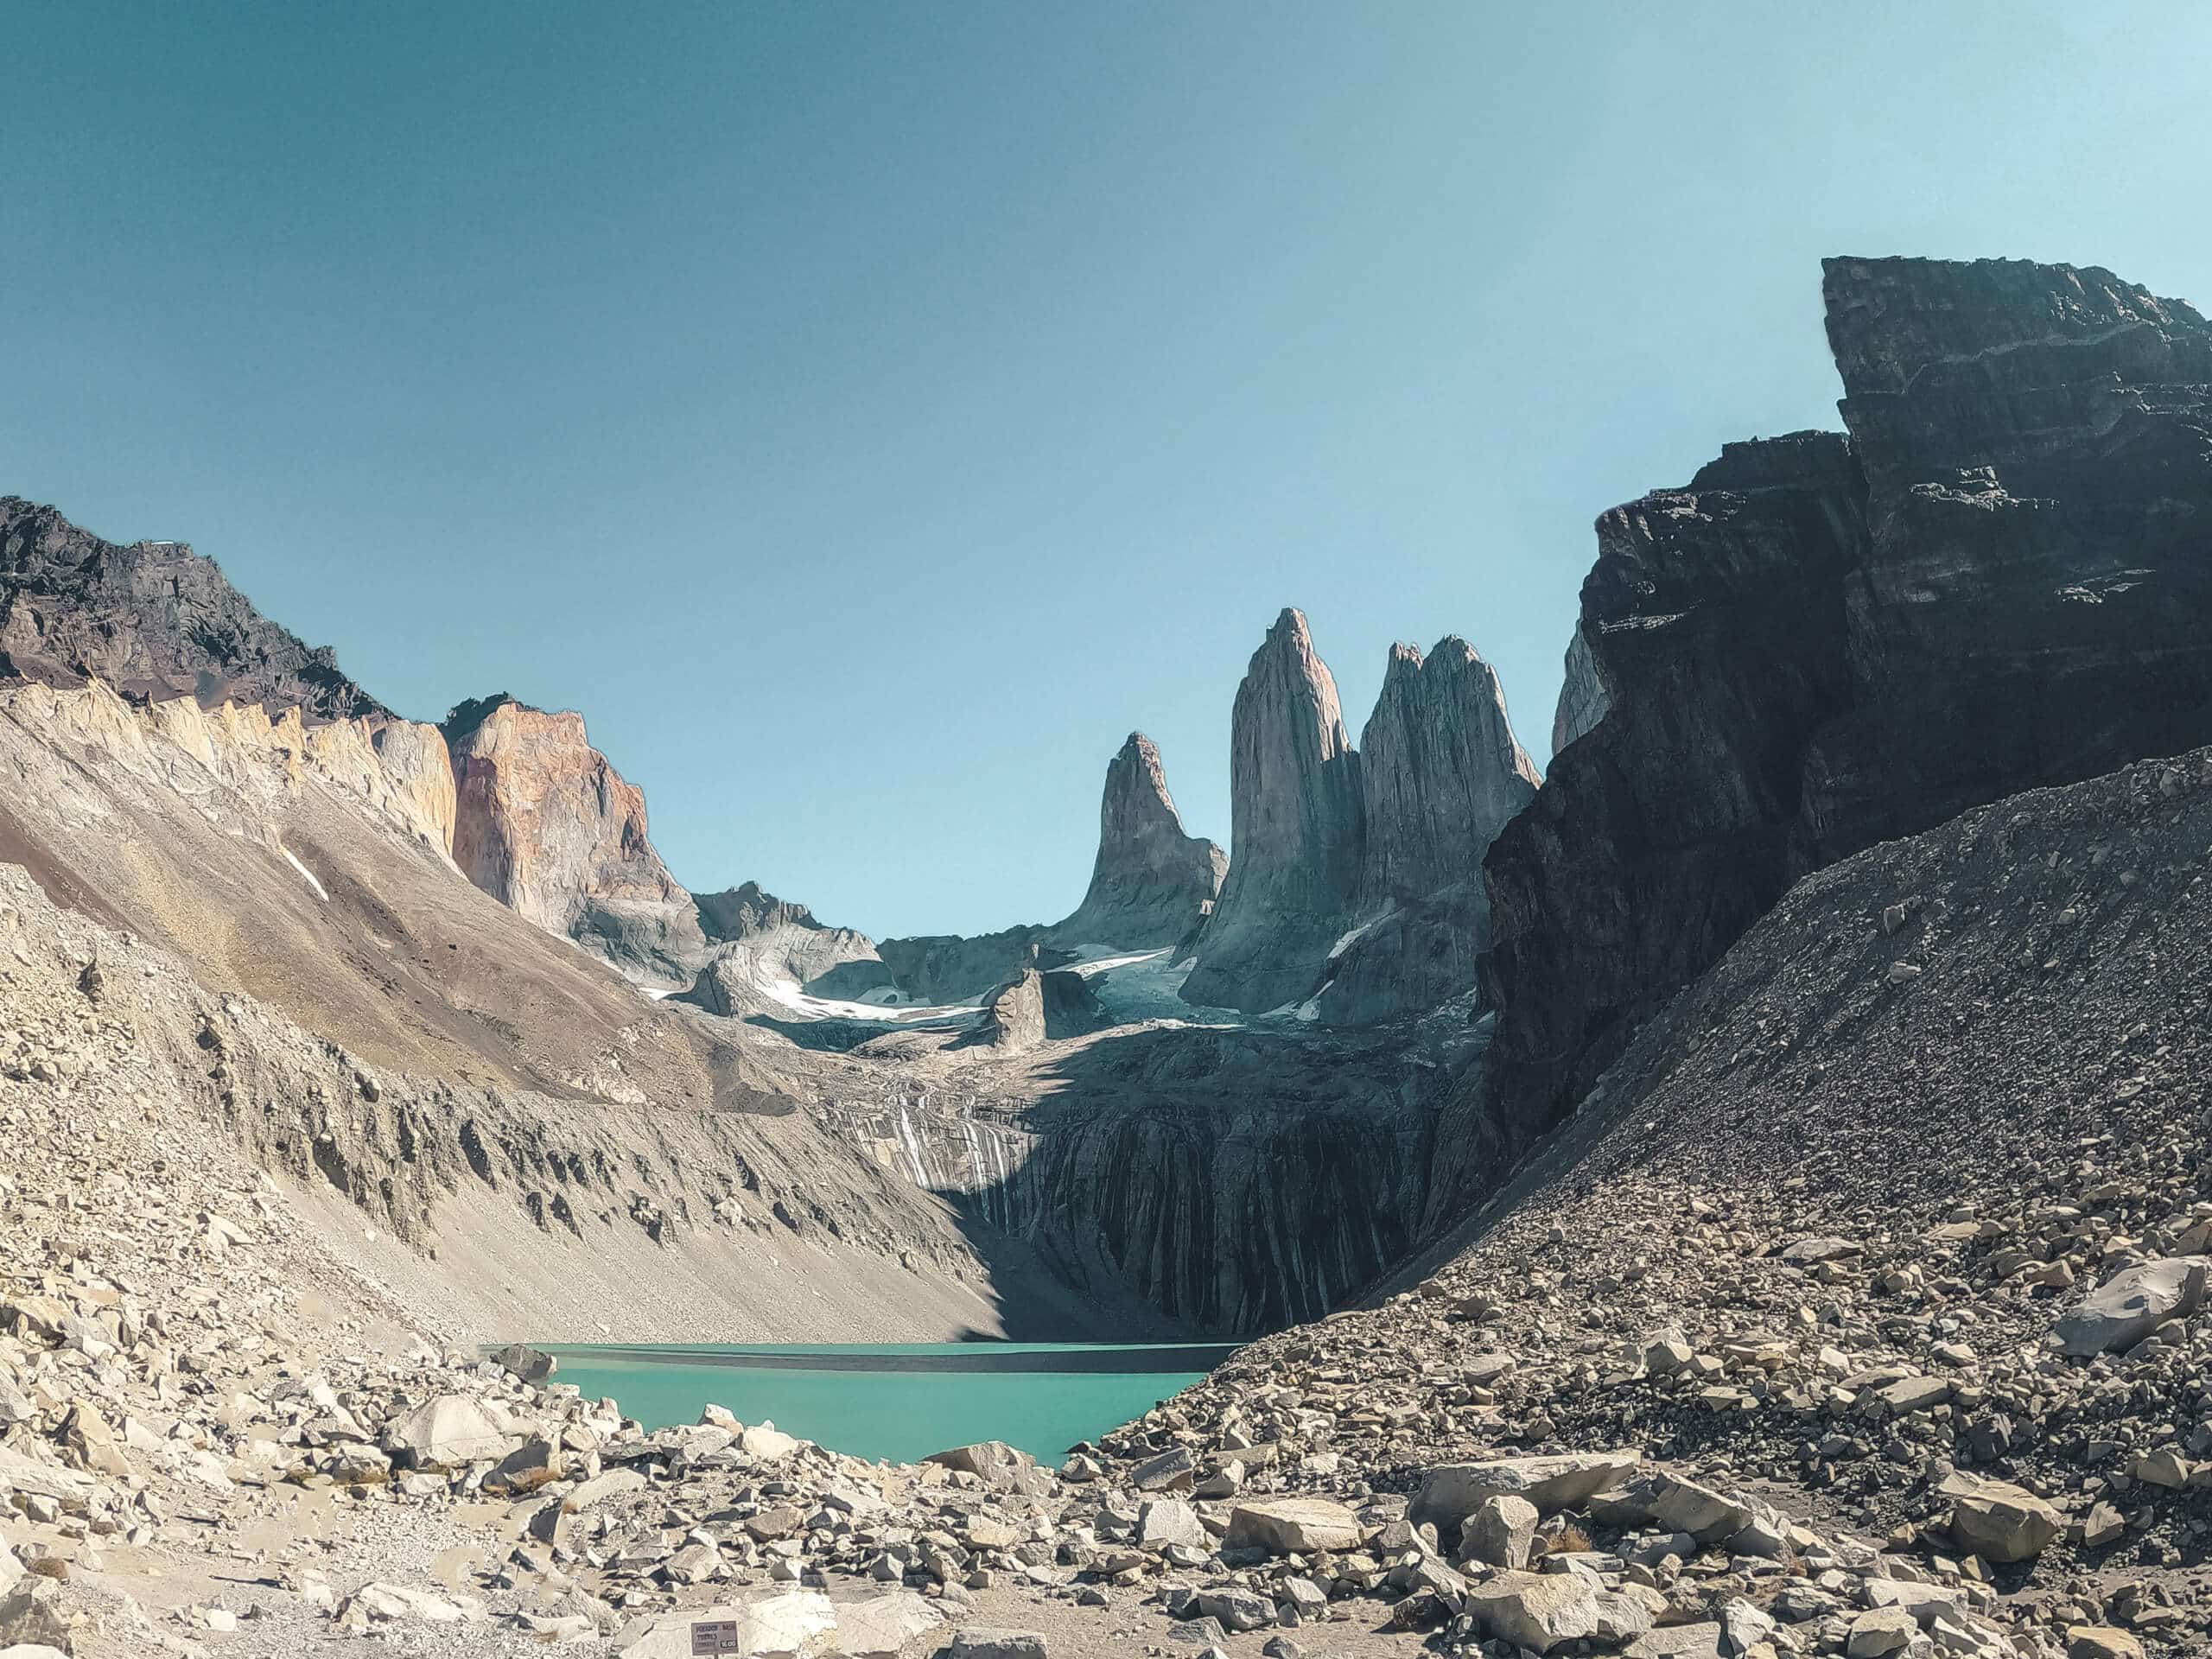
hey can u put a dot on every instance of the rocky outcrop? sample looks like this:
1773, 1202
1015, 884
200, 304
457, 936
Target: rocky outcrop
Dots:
764, 955
821, 960
1582, 699
1360, 898
945, 967
1152, 887
544, 824
2037, 446
1441, 773
1296, 832
1152, 884
1717, 614
1013, 1016
153, 620
419, 768
1999, 581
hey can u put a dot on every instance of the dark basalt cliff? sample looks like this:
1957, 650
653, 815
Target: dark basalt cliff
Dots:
2002, 580
1152, 884
2033, 609
1296, 832
154, 620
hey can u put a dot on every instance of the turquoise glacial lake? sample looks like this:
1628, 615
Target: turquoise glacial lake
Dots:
899, 1402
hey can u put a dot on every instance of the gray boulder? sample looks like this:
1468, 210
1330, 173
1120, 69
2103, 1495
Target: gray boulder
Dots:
2130, 1306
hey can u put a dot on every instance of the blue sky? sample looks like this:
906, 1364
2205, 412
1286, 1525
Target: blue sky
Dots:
867, 415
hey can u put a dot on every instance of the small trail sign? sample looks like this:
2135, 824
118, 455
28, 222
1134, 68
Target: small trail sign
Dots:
711, 1636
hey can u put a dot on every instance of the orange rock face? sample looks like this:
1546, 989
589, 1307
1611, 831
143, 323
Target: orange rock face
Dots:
544, 824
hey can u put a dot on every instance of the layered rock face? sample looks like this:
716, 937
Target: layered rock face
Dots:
1296, 832
544, 824
1152, 884
2002, 579
2038, 447
1235, 1179
154, 620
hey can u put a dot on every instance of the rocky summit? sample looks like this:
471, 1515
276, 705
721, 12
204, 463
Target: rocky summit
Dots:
1297, 824
153, 620
1152, 885
545, 825
1745, 1194
1354, 886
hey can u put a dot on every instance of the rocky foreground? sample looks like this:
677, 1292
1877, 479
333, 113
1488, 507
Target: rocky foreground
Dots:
1793, 1345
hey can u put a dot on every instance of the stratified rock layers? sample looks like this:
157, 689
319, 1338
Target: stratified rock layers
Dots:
1152, 884
154, 620
1295, 832
2003, 579
544, 824
2038, 447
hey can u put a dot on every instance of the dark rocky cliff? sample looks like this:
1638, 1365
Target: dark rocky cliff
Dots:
1581, 694
2002, 580
154, 620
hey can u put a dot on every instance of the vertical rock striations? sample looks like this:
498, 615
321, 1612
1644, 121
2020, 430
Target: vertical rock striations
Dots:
2002, 580
1440, 774
1355, 893
420, 769
1152, 884
1296, 833
546, 826
1581, 694
154, 620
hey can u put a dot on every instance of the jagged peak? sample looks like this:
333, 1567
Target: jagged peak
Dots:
470, 716
1137, 770
154, 620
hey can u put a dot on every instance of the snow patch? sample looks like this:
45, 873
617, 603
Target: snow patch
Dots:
303, 870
